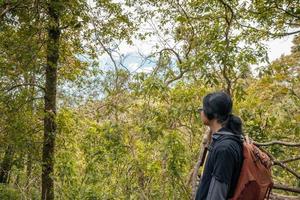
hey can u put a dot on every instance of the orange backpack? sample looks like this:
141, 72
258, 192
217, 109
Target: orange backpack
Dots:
255, 180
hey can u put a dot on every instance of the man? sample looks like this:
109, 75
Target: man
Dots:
225, 158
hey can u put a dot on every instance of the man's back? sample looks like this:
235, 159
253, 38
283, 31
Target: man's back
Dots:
222, 168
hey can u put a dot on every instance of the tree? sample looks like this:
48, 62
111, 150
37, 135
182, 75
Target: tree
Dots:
54, 12
110, 132
53, 55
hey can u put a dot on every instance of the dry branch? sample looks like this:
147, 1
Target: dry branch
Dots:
7, 7
179, 76
290, 160
277, 142
282, 197
174, 52
286, 188
22, 85
282, 165
193, 178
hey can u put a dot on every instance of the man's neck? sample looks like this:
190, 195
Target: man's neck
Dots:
215, 126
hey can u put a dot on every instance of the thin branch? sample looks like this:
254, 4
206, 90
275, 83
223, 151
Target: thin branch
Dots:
293, 24
180, 75
8, 8
286, 12
268, 32
285, 34
290, 160
182, 72
202, 154
121, 62
24, 84
229, 20
189, 21
282, 165
109, 53
286, 188
163, 40
226, 5
277, 142
174, 52
187, 16
145, 59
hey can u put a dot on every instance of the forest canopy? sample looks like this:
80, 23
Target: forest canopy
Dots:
79, 122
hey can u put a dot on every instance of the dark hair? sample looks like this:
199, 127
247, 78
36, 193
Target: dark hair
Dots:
218, 105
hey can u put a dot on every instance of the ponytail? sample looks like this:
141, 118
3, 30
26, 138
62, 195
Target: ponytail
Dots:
234, 123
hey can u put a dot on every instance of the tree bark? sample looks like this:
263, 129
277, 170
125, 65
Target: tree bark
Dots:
50, 101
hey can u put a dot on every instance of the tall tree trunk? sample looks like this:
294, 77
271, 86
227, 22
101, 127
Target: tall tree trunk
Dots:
29, 150
50, 100
6, 164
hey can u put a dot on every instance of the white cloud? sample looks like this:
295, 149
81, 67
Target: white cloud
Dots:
278, 47
144, 69
133, 66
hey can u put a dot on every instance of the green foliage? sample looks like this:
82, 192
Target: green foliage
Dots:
8, 193
136, 135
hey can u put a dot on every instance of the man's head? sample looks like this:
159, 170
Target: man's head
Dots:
216, 106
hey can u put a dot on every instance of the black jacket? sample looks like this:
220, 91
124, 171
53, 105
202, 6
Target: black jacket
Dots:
222, 167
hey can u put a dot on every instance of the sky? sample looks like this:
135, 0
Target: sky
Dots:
279, 46
133, 60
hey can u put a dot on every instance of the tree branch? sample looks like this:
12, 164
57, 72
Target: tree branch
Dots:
187, 17
285, 34
174, 52
109, 53
282, 165
286, 12
290, 160
180, 75
226, 5
182, 72
229, 20
24, 84
286, 188
202, 154
8, 7
277, 142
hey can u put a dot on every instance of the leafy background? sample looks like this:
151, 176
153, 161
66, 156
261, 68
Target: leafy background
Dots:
136, 134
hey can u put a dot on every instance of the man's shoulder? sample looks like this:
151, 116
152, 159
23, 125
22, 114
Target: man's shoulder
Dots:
224, 140
228, 144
